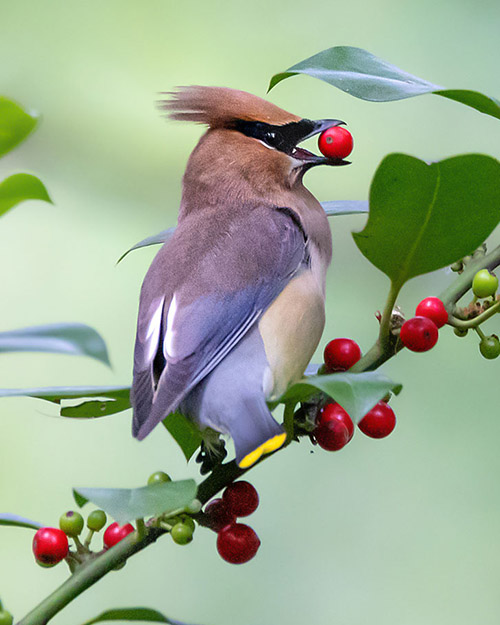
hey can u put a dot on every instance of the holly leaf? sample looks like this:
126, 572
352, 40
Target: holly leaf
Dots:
185, 433
133, 614
15, 124
18, 521
127, 504
96, 408
426, 216
76, 339
154, 239
365, 76
19, 188
357, 393
112, 399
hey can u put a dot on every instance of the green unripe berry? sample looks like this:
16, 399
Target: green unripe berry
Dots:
182, 534
484, 284
458, 266
71, 523
490, 347
158, 478
460, 331
187, 520
194, 507
96, 520
6, 618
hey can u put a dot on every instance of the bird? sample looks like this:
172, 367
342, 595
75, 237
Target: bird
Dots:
232, 307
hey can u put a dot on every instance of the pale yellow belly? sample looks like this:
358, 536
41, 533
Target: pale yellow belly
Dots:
291, 329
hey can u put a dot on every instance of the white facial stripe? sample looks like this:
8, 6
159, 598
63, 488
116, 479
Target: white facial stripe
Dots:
270, 147
168, 345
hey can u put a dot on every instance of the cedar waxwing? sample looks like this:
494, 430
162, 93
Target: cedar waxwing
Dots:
232, 307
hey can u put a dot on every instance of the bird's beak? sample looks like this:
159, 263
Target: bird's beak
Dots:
308, 158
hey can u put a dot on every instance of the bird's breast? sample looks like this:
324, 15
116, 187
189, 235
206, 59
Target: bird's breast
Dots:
292, 326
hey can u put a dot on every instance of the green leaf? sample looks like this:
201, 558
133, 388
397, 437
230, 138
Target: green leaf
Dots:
332, 209
127, 504
62, 338
18, 521
357, 393
365, 76
21, 187
96, 408
185, 433
479, 101
132, 614
155, 239
114, 399
15, 124
58, 393
426, 216
345, 207
360, 74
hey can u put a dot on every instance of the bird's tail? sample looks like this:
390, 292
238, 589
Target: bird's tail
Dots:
256, 433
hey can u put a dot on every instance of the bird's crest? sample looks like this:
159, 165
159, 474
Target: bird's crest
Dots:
220, 107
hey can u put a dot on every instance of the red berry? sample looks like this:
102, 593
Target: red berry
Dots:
419, 334
433, 308
50, 546
332, 435
335, 412
336, 142
237, 543
341, 354
218, 515
241, 498
114, 533
379, 422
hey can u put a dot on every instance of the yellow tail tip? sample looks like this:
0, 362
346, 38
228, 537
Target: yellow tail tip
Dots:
267, 447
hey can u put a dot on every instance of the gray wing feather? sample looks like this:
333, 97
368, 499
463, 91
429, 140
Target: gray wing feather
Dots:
220, 293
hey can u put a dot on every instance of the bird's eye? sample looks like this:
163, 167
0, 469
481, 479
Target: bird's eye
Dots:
270, 138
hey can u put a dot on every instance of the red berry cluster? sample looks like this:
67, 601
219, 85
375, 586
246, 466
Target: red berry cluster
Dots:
334, 427
420, 333
236, 542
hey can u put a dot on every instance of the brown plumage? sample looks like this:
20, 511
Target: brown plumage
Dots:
218, 107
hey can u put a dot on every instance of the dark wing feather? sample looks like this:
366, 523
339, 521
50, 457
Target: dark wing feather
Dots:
205, 289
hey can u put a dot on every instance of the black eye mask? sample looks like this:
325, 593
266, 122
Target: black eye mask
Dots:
283, 138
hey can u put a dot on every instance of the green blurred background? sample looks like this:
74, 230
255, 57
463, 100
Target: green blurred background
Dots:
403, 530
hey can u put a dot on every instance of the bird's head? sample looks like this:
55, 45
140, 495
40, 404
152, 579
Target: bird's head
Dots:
250, 143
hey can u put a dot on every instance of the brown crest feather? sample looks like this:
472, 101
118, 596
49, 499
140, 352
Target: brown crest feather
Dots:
219, 107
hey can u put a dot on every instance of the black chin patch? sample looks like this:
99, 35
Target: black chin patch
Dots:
283, 138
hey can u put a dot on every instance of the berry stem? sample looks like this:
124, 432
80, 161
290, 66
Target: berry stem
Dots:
79, 547
288, 420
480, 333
385, 334
88, 539
141, 528
476, 321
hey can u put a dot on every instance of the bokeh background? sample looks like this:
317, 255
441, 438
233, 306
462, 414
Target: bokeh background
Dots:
403, 530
